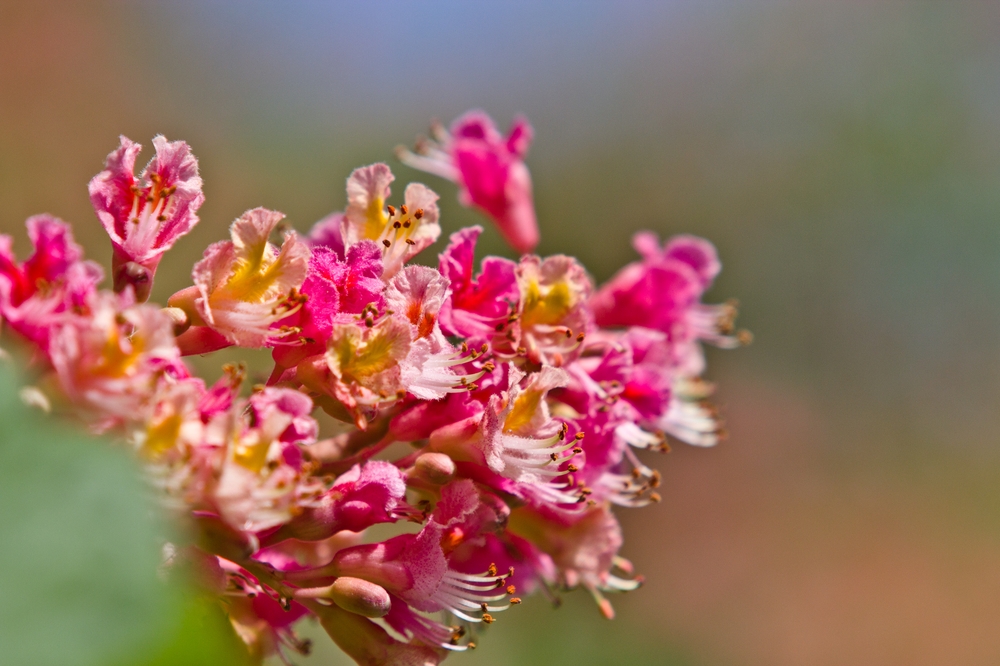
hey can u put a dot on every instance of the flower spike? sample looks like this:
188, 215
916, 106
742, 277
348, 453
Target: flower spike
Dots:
489, 169
488, 416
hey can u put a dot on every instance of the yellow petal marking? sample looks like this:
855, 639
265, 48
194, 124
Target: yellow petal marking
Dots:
546, 305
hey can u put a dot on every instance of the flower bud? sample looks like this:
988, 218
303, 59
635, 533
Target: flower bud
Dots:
436, 468
178, 318
360, 597
132, 274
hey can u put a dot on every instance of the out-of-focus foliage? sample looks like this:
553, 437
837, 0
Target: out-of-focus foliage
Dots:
80, 550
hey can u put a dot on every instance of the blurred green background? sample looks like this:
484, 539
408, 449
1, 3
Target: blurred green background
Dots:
844, 159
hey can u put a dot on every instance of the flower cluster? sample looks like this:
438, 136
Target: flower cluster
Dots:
519, 389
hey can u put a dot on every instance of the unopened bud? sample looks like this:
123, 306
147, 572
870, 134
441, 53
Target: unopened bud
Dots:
179, 319
131, 274
434, 467
358, 596
185, 300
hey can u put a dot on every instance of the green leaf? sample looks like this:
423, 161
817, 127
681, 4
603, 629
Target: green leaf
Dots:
80, 545
202, 637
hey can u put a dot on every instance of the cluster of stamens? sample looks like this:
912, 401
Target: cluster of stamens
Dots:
154, 200
400, 226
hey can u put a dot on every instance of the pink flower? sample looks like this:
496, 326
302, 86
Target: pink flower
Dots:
489, 170
482, 306
361, 367
686, 413
328, 233
245, 285
261, 621
359, 498
112, 360
264, 479
379, 361
414, 567
583, 548
663, 292
184, 441
175, 422
144, 217
276, 407
554, 315
429, 371
402, 233
417, 419
418, 292
633, 396
50, 286
515, 438
335, 289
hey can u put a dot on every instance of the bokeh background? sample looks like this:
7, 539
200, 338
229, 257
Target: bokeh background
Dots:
844, 159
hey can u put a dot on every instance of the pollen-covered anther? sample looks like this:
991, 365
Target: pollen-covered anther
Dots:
726, 320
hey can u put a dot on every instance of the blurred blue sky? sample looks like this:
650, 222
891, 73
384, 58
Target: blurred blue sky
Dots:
410, 59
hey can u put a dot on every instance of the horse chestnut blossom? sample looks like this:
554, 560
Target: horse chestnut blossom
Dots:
144, 217
525, 392
489, 169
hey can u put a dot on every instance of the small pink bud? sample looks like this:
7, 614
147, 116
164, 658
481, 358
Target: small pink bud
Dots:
178, 318
437, 468
353, 595
132, 274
